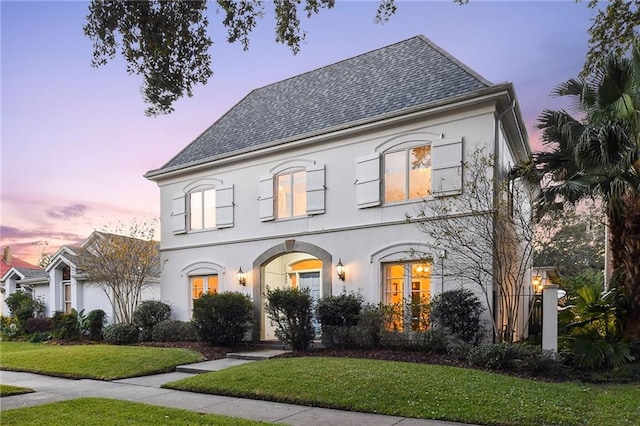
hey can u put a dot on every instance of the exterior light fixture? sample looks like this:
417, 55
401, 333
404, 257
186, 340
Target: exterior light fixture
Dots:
340, 270
537, 284
242, 279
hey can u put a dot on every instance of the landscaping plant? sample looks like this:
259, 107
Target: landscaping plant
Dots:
23, 306
148, 314
291, 310
95, 322
174, 331
338, 315
120, 334
223, 318
458, 312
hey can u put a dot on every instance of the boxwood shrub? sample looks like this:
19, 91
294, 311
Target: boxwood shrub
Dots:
120, 334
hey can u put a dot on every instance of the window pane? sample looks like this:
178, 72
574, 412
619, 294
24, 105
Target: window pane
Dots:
212, 284
197, 287
209, 208
395, 177
283, 183
394, 283
300, 193
420, 172
195, 219
420, 293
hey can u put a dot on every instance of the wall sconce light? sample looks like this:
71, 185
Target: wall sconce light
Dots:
537, 284
242, 279
340, 270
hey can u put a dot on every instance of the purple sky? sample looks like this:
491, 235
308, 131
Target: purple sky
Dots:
75, 140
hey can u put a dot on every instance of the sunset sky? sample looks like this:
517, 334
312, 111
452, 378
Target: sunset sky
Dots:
76, 142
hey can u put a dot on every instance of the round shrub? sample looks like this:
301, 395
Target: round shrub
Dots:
342, 310
120, 334
224, 318
148, 314
457, 312
174, 331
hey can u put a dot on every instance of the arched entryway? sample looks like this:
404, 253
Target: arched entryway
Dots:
289, 264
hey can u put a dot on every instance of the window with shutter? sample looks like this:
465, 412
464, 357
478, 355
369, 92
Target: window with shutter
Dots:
447, 167
368, 181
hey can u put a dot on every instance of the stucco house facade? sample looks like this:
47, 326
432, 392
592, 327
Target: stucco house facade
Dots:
61, 287
319, 171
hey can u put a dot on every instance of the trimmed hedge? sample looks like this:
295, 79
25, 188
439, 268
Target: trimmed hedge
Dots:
174, 331
120, 334
223, 319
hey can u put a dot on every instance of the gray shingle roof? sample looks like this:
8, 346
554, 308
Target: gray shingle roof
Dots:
33, 273
403, 75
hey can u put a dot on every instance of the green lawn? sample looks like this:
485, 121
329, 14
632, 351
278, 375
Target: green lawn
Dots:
108, 412
422, 391
103, 362
8, 390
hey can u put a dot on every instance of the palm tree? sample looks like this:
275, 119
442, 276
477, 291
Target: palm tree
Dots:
597, 154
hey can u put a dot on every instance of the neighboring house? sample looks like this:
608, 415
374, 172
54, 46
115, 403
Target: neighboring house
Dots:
7, 262
62, 288
319, 170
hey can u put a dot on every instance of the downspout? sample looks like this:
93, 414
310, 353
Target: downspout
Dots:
497, 179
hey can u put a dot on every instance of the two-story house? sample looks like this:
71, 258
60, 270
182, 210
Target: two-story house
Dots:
306, 182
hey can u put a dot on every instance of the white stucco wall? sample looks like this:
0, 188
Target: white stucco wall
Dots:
362, 237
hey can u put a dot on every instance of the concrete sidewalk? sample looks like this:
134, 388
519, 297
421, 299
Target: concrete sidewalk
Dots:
147, 390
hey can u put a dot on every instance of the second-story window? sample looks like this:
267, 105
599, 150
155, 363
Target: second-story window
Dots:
407, 174
291, 194
202, 209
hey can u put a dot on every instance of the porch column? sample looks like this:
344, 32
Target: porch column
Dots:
550, 317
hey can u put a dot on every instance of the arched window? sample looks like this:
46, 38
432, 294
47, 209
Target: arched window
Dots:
294, 188
204, 204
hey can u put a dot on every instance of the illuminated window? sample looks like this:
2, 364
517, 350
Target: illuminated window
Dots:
202, 209
66, 289
291, 194
407, 286
407, 174
203, 284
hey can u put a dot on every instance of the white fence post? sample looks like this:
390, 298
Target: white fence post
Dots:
550, 317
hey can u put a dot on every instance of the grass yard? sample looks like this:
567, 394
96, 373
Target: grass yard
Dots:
102, 362
422, 391
110, 412
8, 390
